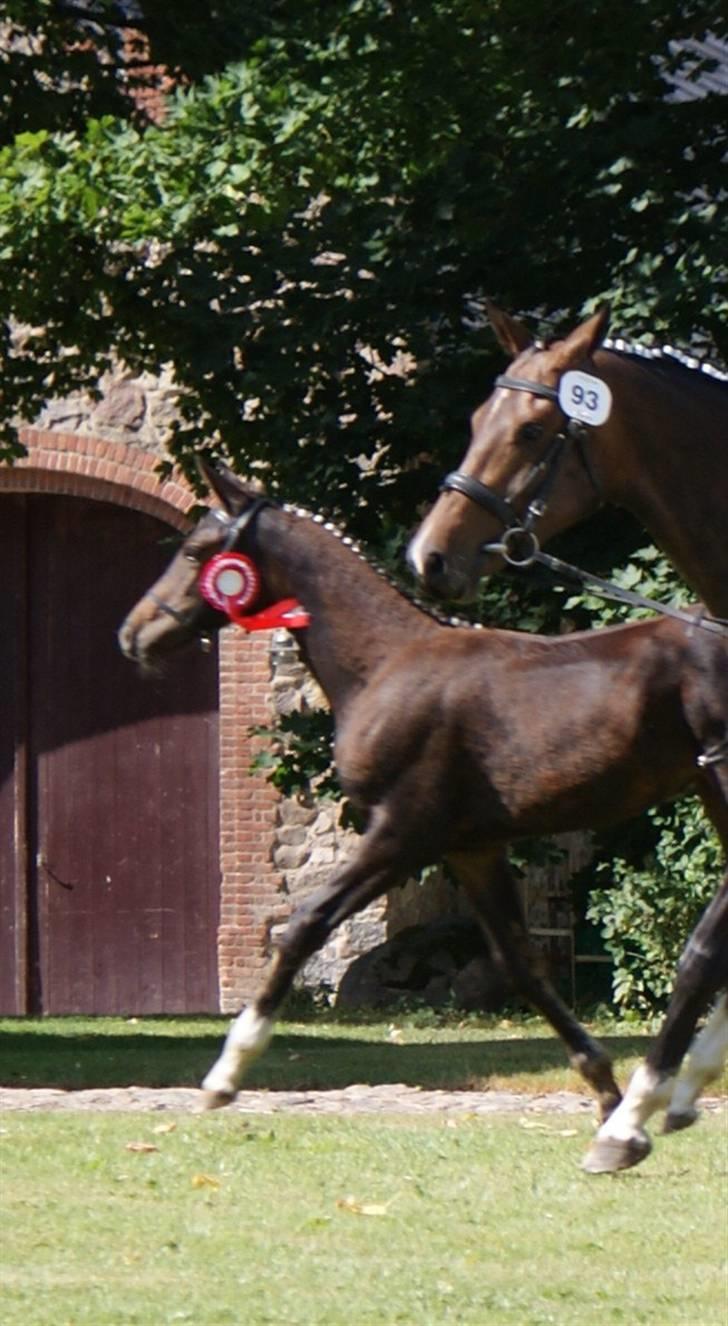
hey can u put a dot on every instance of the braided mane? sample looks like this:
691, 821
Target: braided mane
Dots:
665, 356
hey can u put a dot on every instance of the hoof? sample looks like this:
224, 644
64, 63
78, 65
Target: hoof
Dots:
674, 1123
608, 1155
216, 1100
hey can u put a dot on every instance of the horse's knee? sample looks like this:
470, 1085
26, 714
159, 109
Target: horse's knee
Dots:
305, 932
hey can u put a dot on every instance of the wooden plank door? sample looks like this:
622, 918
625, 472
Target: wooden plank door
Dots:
122, 875
14, 900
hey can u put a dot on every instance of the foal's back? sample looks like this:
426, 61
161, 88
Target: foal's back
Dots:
514, 734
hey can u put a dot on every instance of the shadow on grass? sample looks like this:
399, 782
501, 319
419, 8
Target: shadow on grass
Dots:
29, 1058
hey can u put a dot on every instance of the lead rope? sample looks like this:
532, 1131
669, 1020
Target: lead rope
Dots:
606, 589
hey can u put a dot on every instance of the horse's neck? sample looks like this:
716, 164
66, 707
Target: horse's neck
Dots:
668, 464
358, 619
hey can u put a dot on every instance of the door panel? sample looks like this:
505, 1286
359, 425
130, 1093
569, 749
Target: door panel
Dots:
14, 901
122, 800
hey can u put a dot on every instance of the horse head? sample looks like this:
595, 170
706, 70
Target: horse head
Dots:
174, 612
522, 447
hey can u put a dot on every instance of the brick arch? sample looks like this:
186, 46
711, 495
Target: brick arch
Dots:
87, 465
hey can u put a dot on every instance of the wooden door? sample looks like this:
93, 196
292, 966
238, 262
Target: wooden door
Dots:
112, 778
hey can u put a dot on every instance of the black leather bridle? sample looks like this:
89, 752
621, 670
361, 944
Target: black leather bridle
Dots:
519, 544
233, 527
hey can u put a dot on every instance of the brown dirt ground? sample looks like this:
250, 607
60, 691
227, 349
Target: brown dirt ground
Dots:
392, 1098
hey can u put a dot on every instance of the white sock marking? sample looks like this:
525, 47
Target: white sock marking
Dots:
246, 1039
707, 1056
646, 1093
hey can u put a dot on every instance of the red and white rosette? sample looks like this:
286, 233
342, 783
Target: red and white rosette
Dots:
230, 583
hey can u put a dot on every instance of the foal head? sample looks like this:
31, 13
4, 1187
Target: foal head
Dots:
174, 612
520, 444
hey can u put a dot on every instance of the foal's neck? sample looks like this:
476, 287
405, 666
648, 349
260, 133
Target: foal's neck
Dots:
358, 618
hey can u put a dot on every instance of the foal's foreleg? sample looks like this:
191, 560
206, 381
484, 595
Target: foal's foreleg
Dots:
375, 869
622, 1141
493, 892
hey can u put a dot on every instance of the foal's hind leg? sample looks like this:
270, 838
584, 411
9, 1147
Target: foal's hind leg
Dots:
378, 865
493, 893
622, 1141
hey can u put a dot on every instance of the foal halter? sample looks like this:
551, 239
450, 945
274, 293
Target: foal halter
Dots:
234, 526
516, 549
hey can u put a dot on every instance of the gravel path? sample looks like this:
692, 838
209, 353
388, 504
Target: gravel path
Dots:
392, 1098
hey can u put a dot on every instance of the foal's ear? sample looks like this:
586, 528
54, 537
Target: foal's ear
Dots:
584, 340
224, 484
511, 334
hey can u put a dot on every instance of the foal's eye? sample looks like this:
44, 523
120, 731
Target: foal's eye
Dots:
530, 433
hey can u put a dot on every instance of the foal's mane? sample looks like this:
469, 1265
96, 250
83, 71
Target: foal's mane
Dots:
337, 532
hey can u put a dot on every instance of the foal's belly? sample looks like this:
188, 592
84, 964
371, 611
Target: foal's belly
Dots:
554, 796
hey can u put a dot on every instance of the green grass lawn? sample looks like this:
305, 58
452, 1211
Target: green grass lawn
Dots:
292, 1221
418, 1049
112, 1219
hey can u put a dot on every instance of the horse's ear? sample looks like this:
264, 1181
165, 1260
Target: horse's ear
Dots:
511, 334
584, 340
224, 484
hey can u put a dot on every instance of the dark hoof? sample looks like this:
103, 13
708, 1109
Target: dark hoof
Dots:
607, 1155
216, 1100
674, 1123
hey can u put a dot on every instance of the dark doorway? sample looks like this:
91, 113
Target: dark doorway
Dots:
109, 866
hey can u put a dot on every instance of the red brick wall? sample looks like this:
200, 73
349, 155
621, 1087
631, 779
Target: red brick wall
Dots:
83, 465
251, 900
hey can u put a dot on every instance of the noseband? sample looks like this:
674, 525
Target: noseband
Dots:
519, 544
234, 526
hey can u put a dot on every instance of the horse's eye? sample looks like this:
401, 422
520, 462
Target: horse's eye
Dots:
530, 433
193, 558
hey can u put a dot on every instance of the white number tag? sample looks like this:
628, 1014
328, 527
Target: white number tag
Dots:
585, 397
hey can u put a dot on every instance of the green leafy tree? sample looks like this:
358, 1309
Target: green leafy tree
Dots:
307, 236
654, 903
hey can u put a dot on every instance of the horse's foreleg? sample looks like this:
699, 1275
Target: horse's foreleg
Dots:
622, 1141
493, 892
375, 869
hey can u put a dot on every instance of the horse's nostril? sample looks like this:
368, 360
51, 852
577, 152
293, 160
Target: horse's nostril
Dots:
434, 565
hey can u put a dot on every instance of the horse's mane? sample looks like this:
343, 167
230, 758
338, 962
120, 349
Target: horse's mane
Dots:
427, 609
666, 360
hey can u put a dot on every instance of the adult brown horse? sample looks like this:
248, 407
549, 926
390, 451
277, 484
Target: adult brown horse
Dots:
453, 741
661, 452
533, 469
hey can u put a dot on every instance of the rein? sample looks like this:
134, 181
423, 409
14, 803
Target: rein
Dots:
519, 546
608, 590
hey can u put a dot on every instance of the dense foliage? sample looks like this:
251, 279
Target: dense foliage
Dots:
652, 904
307, 234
